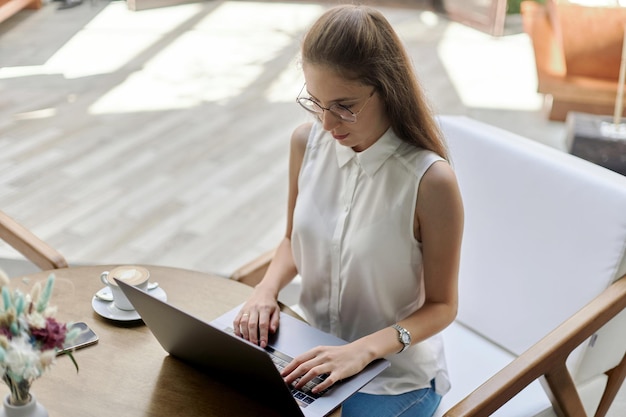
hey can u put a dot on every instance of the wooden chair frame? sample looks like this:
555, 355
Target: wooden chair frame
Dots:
252, 272
545, 360
28, 244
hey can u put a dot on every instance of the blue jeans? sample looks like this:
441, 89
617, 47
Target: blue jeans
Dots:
418, 403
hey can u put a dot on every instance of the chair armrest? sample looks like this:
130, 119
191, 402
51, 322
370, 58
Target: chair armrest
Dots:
29, 245
289, 311
547, 359
252, 273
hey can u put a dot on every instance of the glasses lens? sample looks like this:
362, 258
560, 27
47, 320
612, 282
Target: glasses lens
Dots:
337, 110
310, 105
343, 113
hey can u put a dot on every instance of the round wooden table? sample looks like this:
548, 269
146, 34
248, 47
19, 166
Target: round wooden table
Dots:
127, 373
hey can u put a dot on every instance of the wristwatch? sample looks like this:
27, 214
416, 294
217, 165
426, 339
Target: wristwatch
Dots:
403, 336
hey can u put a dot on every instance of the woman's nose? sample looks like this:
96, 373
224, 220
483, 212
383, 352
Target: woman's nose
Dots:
329, 120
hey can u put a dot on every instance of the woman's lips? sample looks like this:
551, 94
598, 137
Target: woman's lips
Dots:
340, 137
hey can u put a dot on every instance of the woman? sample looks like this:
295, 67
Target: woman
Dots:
375, 221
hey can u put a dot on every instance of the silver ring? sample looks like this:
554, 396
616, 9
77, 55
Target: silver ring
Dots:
245, 315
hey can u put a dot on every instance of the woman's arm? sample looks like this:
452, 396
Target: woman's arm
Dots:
439, 222
260, 314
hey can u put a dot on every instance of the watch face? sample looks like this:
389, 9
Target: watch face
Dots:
403, 336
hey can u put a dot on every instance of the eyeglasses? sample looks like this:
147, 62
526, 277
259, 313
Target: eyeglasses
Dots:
342, 112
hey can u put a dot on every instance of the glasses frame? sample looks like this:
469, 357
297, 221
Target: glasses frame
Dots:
299, 100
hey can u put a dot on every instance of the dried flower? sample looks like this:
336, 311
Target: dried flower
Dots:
30, 337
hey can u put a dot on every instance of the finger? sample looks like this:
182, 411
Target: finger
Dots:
309, 376
290, 368
237, 323
293, 376
243, 325
300, 364
274, 321
296, 369
292, 371
327, 383
264, 324
253, 327
236, 327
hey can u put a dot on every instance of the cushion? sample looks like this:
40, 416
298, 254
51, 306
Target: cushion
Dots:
472, 360
545, 232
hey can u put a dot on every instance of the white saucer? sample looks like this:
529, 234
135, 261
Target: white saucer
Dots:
108, 310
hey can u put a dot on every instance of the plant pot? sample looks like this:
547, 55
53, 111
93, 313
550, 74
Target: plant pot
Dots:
32, 409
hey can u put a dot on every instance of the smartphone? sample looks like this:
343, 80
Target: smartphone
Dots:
86, 337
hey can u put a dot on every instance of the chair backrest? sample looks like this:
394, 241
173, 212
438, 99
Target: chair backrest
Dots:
28, 244
595, 51
545, 233
549, 56
573, 84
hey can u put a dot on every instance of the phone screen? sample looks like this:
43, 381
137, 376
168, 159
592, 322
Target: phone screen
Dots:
86, 337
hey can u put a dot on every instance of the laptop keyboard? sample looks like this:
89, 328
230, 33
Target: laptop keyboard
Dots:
303, 396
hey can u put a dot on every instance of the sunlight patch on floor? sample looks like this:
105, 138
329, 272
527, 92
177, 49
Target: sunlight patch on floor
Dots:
216, 60
490, 72
111, 40
287, 84
114, 37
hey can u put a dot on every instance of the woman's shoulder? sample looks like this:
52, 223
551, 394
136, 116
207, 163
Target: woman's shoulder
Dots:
299, 140
308, 135
417, 160
300, 135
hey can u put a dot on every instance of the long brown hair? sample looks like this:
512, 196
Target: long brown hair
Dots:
360, 44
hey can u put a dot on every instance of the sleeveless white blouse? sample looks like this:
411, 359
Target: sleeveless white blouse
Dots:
354, 247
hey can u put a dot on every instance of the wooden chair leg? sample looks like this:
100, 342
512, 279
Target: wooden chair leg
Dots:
563, 393
616, 378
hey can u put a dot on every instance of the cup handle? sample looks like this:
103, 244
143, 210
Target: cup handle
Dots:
103, 278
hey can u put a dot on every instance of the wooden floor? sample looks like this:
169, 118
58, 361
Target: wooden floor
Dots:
161, 136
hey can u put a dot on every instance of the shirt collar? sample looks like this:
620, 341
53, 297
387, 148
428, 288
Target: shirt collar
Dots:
373, 157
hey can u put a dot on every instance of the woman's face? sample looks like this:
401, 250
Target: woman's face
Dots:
326, 87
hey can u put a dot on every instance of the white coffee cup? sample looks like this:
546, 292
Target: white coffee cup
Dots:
137, 276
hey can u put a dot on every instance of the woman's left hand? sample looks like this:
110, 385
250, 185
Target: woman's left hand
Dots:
338, 362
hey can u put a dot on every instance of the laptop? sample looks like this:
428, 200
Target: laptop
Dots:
214, 348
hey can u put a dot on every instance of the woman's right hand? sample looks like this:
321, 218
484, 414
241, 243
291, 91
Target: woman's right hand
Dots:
258, 317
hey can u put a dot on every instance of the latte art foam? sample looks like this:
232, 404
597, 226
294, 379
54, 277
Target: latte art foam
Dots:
130, 275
